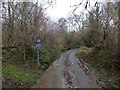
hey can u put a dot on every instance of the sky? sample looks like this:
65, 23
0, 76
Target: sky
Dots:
62, 7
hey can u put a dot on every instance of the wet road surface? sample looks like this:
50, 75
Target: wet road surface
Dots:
66, 72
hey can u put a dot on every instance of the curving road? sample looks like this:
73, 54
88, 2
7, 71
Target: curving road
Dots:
66, 72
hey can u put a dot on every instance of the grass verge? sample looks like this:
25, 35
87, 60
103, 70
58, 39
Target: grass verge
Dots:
21, 73
101, 63
15, 76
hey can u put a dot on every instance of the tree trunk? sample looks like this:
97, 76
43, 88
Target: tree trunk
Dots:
119, 30
117, 63
10, 24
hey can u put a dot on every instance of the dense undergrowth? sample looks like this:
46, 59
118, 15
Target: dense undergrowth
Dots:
103, 64
20, 73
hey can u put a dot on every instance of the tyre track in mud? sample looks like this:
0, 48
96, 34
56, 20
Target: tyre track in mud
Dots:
66, 72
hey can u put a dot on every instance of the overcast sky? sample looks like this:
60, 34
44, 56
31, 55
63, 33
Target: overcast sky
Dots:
62, 7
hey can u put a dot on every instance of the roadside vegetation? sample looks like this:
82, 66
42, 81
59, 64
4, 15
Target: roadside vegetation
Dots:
20, 26
19, 77
25, 73
100, 42
97, 31
102, 64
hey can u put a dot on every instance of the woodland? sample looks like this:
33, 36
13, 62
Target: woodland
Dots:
22, 22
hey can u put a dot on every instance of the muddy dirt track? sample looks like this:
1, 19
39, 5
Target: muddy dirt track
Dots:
66, 72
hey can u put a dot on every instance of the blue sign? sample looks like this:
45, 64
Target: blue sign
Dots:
38, 42
37, 45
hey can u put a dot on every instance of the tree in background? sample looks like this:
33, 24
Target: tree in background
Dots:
118, 61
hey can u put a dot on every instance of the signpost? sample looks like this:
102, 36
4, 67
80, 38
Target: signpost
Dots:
38, 45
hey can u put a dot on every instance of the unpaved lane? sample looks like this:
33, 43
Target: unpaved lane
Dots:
66, 72
81, 79
54, 76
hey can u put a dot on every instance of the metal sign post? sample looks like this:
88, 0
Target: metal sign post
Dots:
38, 62
38, 45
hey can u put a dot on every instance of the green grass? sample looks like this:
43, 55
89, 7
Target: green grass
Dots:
101, 62
16, 73
26, 72
114, 85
